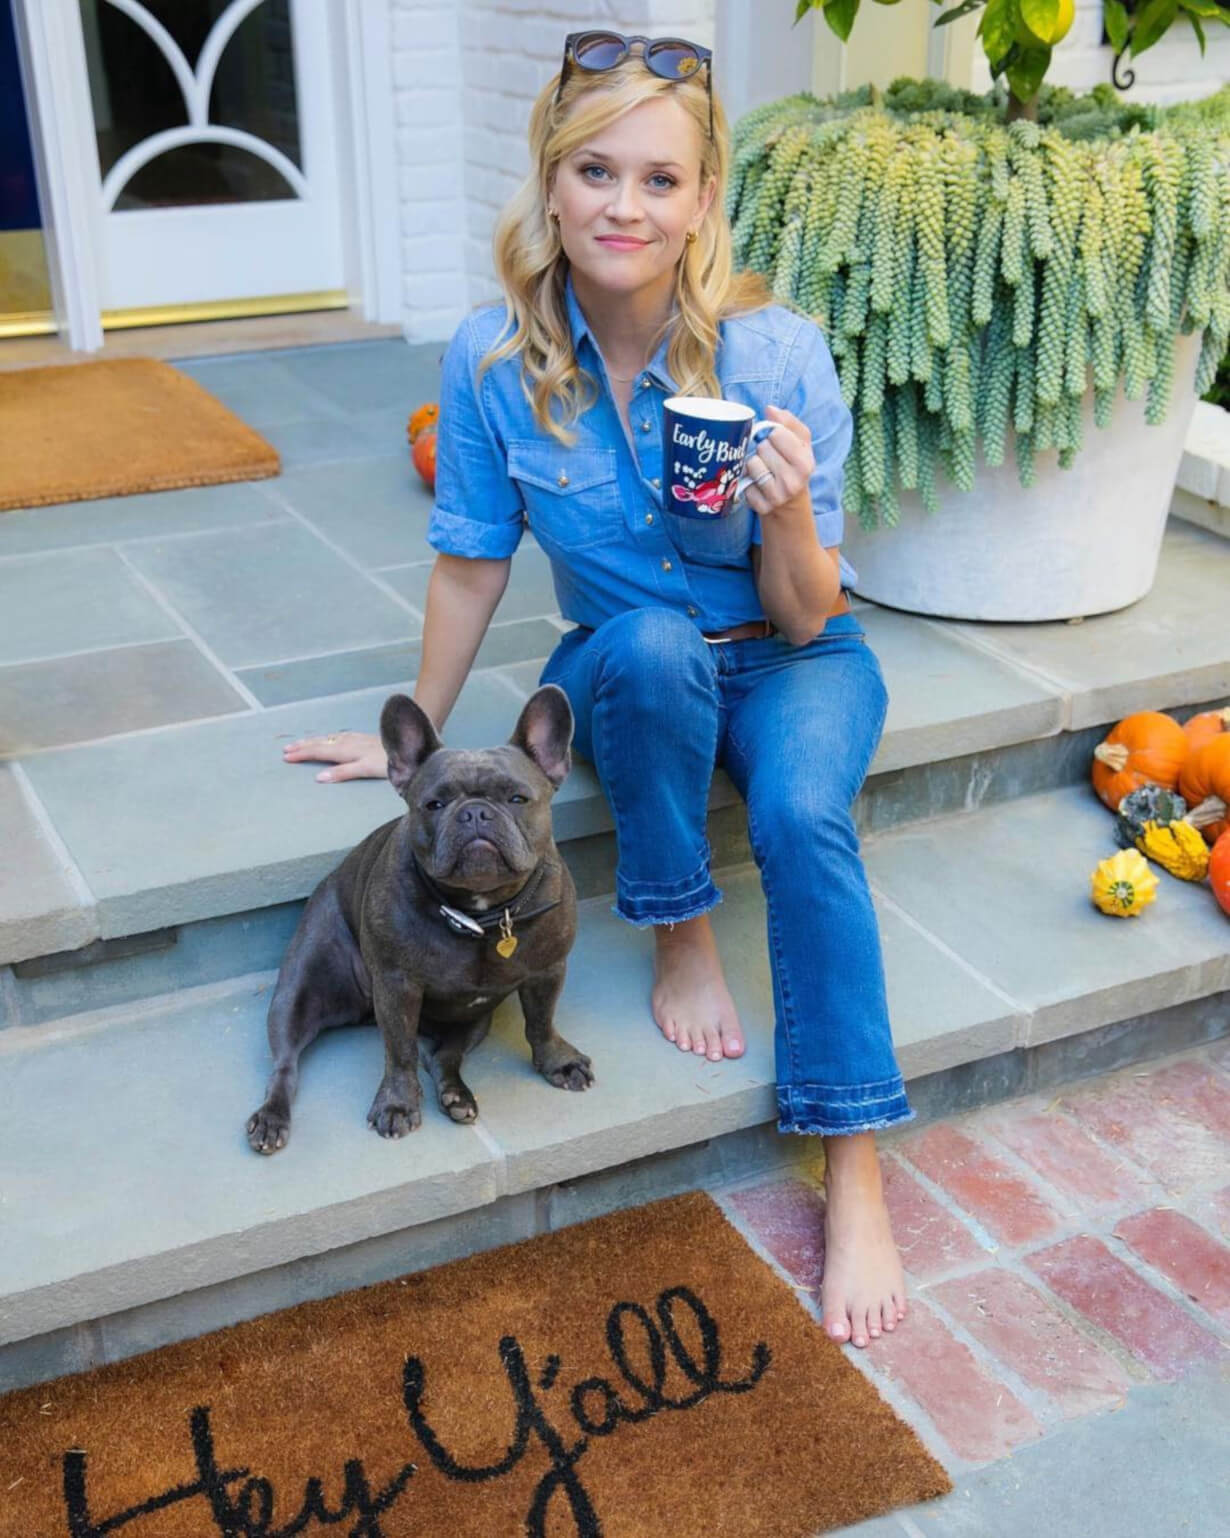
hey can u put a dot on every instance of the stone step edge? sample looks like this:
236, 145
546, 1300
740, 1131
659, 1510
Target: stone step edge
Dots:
731, 1158
958, 783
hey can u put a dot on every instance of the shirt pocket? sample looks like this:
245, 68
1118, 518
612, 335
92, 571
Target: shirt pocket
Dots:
713, 541
571, 495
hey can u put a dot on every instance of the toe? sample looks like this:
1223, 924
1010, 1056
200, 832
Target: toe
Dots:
837, 1325
712, 1044
683, 1040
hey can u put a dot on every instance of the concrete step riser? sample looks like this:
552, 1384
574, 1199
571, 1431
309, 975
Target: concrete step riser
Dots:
732, 1156
110, 973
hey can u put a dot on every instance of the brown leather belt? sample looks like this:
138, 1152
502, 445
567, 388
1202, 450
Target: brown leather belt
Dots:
754, 629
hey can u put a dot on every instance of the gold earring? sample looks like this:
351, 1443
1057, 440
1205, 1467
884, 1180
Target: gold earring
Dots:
691, 237
553, 214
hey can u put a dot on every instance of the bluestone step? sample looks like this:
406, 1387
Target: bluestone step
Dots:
127, 1177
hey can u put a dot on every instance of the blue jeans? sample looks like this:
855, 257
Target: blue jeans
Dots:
795, 728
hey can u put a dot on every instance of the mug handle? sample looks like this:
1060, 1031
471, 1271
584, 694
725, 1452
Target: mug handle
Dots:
761, 429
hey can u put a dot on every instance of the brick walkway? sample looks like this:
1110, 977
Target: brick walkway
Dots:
1060, 1251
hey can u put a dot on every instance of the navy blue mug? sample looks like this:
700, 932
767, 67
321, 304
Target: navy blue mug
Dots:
703, 449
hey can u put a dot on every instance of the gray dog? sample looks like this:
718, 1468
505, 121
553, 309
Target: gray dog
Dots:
435, 918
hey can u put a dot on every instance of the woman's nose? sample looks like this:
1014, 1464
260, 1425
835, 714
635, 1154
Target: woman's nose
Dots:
625, 204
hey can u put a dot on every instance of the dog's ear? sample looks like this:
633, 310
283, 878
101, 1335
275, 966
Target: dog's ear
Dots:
544, 732
408, 737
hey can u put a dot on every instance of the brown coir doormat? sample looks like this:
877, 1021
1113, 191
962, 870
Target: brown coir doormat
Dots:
83, 430
640, 1375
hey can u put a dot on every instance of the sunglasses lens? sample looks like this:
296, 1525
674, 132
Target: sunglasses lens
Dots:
598, 50
673, 61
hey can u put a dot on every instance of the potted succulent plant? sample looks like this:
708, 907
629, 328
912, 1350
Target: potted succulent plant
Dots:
993, 273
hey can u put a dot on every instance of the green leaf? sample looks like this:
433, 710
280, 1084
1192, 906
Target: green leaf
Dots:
997, 29
1026, 71
1198, 29
1115, 17
958, 11
1209, 10
803, 7
840, 16
1042, 18
1152, 21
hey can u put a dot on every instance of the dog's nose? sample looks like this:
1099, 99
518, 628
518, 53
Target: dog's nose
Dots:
477, 811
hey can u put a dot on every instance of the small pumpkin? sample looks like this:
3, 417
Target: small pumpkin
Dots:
1205, 785
1203, 728
1153, 820
1219, 871
421, 419
1124, 884
1151, 803
1147, 748
424, 455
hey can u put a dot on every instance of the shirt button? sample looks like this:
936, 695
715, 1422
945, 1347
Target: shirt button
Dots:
657, 482
648, 517
666, 566
691, 612
563, 479
645, 426
645, 383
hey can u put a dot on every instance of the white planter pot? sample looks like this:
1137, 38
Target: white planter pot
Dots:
1079, 541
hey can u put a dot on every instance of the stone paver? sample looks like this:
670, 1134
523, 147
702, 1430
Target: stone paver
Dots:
42, 909
72, 601
990, 1190
1197, 1264
1158, 1333
375, 509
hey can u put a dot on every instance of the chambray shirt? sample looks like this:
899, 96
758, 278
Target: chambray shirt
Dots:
597, 508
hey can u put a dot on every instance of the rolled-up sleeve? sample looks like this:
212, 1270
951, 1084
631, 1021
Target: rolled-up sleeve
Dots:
478, 511
813, 394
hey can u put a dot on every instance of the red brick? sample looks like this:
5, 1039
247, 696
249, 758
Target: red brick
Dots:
929, 1239
1068, 1157
1126, 1112
1192, 1089
1180, 1249
1150, 1325
1221, 1209
979, 1418
1023, 1328
786, 1217
989, 1189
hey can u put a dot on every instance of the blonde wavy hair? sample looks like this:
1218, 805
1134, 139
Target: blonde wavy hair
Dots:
532, 268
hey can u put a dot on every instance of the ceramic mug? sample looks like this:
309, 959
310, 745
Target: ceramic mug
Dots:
703, 448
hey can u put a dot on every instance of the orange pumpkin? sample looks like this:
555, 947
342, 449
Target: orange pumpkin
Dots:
423, 418
1204, 727
1205, 785
424, 455
1147, 748
1219, 871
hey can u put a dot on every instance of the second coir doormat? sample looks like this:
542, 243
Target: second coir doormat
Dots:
82, 430
644, 1373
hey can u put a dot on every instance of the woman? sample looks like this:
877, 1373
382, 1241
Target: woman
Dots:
697, 642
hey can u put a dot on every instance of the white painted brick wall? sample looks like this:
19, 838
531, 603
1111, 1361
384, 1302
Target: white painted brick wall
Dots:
1172, 70
465, 76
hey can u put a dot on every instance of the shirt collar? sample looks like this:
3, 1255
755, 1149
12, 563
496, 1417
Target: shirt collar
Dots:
656, 367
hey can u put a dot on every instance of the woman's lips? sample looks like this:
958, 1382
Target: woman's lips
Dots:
621, 242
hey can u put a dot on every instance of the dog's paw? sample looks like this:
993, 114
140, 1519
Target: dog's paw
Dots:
565, 1067
458, 1103
392, 1114
267, 1130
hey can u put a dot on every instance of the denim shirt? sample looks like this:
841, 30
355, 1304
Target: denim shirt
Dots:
597, 508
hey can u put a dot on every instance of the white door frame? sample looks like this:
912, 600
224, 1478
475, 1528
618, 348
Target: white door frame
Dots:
56, 83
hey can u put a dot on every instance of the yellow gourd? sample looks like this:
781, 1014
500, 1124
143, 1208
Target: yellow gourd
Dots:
1177, 847
1124, 884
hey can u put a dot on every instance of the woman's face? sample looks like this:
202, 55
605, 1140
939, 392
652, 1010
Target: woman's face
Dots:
628, 196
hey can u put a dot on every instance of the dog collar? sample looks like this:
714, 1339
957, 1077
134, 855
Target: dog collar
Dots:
477, 926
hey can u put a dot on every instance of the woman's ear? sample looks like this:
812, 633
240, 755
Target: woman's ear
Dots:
706, 198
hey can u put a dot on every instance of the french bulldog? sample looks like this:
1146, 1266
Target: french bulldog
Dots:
435, 918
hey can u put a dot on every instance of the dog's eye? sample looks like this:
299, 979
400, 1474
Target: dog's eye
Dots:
520, 799
432, 806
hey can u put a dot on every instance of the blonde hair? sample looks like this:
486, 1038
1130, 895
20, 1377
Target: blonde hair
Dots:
532, 268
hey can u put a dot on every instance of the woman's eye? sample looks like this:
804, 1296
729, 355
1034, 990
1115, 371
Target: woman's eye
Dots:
601, 170
519, 799
665, 182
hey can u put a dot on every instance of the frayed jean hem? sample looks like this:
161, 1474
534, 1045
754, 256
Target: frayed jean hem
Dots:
810, 1115
686, 909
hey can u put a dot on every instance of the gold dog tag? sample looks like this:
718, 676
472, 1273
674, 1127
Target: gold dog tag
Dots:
507, 943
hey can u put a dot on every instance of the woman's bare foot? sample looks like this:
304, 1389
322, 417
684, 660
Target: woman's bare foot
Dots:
691, 1001
863, 1289
357, 755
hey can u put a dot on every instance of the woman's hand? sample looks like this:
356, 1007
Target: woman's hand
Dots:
786, 462
357, 755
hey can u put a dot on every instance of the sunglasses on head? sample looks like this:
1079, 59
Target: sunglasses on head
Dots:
670, 58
